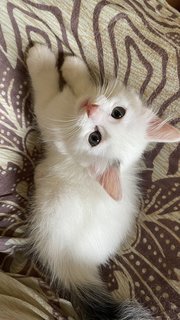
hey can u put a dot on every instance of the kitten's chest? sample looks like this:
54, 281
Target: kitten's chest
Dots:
79, 217
97, 229
98, 224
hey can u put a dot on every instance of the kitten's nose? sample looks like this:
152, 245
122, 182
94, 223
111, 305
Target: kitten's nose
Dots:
91, 109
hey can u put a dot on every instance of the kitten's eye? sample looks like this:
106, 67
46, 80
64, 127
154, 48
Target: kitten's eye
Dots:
118, 112
94, 138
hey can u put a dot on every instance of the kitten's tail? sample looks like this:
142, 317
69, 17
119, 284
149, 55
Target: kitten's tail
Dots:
95, 303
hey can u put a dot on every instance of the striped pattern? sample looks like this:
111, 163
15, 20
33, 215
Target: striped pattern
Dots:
137, 41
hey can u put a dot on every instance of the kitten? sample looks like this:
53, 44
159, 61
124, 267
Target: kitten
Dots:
86, 186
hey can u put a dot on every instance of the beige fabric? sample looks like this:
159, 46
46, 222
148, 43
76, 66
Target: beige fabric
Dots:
139, 41
17, 299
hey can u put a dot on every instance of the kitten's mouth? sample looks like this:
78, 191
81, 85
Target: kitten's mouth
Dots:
89, 107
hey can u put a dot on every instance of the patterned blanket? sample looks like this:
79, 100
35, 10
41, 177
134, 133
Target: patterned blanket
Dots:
138, 41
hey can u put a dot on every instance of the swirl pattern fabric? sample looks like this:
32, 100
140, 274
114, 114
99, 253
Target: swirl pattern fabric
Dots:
137, 41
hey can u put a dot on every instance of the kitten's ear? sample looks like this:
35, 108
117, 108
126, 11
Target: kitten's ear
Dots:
161, 131
110, 181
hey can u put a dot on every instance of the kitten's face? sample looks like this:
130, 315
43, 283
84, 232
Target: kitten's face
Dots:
110, 129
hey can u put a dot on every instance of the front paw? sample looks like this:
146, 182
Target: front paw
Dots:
73, 68
39, 57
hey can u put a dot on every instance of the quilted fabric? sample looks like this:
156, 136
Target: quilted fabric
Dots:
138, 41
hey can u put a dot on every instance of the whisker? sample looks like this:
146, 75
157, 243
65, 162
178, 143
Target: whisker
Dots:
64, 134
65, 126
112, 85
63, 120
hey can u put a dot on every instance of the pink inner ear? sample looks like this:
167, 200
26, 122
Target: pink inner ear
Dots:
162, 132
110, 181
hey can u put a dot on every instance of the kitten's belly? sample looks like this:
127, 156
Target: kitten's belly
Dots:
84, 224
104, 229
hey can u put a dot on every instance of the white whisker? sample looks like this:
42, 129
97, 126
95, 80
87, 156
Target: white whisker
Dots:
63, 120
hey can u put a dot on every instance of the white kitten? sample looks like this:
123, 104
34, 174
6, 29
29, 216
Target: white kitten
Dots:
85, 188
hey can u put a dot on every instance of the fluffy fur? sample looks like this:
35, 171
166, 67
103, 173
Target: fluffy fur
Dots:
86, 197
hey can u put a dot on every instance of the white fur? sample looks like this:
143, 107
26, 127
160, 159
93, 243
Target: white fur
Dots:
76, 225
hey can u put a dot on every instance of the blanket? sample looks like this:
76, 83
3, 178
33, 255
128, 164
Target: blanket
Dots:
138, 42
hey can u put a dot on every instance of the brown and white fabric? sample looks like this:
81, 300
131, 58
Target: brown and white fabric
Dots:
139, 42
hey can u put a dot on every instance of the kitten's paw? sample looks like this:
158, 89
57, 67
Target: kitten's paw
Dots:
73, 68
40, 57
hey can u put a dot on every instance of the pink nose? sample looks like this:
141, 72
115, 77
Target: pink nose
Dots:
91, 109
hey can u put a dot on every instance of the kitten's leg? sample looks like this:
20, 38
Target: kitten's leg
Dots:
76, 74
41, 63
